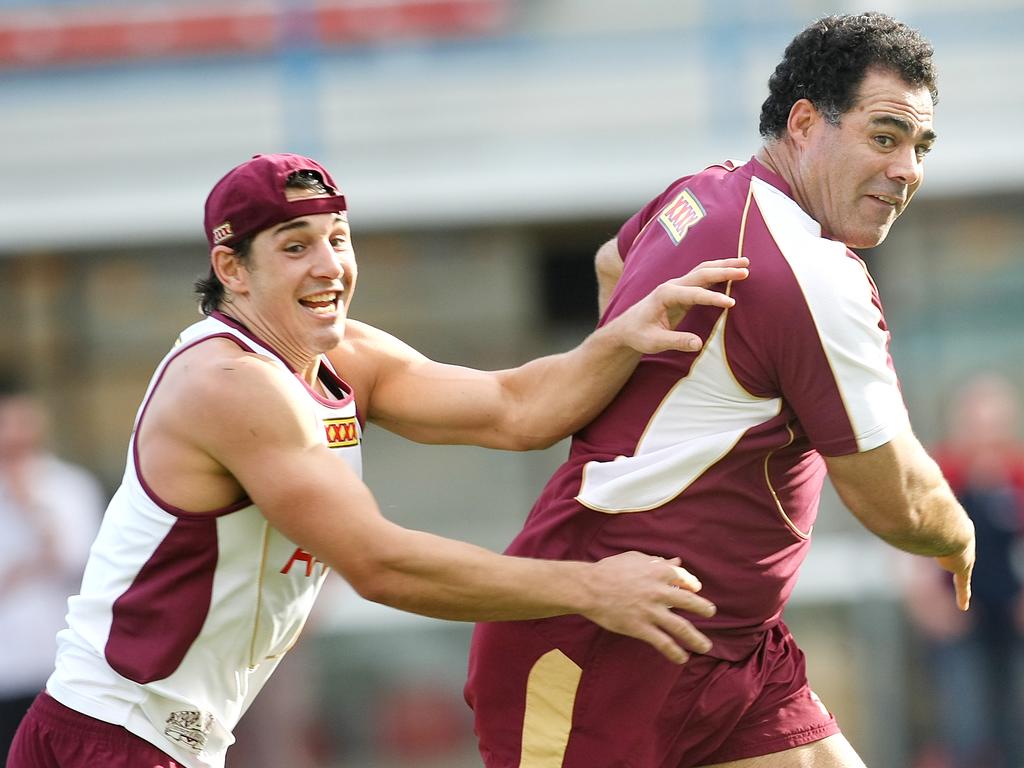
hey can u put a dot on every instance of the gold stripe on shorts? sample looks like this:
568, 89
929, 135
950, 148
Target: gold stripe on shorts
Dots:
550, 696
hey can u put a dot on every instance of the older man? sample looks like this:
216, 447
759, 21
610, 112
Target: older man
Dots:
720, 454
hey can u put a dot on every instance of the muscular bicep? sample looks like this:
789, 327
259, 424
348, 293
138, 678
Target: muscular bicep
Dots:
432, 402
425, 400
265, 438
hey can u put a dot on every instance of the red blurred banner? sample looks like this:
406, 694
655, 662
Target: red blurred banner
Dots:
101, 33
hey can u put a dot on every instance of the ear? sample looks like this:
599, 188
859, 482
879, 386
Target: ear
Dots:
229, 269
803, 118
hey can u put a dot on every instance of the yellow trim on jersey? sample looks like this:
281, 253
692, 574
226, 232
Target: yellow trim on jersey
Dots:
775, 496
550, 696
259, 597
778, 504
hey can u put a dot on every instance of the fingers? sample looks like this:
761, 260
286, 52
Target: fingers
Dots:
686, 296
691, 603
716, 271
665, 645
675, 638
642, 597
962, 584
961, 565
680, 577
684, 633
685, 580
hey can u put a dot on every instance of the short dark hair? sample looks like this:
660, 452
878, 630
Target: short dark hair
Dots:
827, 62
210, 288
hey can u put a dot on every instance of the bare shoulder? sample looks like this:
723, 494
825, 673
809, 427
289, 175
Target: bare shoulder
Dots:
366, 353
215, 421
364, 338
215, 387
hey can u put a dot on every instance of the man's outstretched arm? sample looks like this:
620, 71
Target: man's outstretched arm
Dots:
540, 402
314, 498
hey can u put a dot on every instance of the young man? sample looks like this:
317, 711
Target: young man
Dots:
242, 488
721, 454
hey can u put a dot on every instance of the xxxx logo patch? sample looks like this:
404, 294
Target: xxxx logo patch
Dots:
341, 433
682, 213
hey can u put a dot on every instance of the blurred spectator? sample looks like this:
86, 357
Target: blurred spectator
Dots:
974, 659
49, 513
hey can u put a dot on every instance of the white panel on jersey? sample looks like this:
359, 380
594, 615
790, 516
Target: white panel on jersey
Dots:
839, 296
697, 423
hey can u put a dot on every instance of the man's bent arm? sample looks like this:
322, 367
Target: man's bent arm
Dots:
540, 402
898, 492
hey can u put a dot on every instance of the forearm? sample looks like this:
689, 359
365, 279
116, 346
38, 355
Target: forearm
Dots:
552, 397
933, 533
453, 580
934, 523
898, 492
555, 396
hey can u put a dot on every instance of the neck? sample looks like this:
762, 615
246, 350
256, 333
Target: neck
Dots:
305, 363
778, 157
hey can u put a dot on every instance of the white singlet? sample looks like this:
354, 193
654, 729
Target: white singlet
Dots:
182, 617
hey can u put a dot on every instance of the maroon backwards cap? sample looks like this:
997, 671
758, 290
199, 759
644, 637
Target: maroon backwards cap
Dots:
251, 197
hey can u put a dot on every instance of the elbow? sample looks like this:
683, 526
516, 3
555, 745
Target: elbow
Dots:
376, 591
534, 442
373, 578
519, 435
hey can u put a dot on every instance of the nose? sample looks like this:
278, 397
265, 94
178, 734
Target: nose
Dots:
906, 167
327, 262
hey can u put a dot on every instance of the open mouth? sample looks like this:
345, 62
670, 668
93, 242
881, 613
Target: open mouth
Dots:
893, 202
324, 303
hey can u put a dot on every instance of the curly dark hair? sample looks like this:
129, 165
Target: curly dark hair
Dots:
210, 288
827, 62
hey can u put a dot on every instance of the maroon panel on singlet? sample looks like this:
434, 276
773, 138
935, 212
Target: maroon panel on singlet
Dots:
160, 615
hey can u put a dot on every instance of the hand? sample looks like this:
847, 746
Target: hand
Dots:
635, 595
649, 326
928, 606
960, 565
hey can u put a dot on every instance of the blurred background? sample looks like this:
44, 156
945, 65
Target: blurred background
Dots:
487, 148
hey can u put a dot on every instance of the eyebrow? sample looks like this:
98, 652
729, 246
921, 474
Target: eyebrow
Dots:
300, 224
902, 126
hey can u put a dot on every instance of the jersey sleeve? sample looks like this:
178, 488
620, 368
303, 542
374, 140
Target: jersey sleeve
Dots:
850, 401
819, 337
636, 223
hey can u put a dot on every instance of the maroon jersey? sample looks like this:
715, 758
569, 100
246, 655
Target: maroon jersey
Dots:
714, 457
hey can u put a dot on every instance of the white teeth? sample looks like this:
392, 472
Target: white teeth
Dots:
323, 303
325, 296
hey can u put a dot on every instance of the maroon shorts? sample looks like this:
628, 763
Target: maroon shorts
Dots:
53, 736
562, 692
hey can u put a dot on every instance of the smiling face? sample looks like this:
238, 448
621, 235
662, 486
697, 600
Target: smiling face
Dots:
856, 177
295, 286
